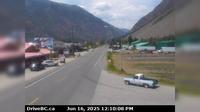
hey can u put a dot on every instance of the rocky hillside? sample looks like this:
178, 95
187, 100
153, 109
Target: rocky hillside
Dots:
167, 19
163, 7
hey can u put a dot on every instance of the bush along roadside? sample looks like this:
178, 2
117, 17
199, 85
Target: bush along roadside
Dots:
111, 67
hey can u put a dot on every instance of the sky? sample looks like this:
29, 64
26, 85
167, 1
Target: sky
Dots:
120, 13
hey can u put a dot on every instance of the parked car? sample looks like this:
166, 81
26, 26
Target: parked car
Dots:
91, 50
36, 67
49, 63
140, 80
62, 59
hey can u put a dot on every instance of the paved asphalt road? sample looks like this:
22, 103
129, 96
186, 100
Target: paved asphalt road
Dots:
12, 99
82, 81
73, 83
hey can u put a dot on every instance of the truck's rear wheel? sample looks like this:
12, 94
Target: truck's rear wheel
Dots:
146, 85
127, 82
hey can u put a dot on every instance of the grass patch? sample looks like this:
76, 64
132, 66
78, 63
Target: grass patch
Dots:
161, 70
190, 90
110, 65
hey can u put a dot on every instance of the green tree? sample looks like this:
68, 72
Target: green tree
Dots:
130, 39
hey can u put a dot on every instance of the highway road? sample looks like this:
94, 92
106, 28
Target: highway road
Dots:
82, 81
12, 99
73, 83
85, 81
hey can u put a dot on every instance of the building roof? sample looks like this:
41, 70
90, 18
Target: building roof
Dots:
35, 53
43, 52
12, 52
27, 45
5, 42
136, 42
142, 44
167, 41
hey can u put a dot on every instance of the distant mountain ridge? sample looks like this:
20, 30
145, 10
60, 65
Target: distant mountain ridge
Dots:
66, 23
125, 30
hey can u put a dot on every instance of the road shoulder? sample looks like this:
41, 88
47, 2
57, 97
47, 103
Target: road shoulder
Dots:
112, 90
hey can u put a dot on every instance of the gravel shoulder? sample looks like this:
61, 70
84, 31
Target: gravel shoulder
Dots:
111, 90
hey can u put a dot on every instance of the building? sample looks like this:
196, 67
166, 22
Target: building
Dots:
168, 49
166, 46
44, 42
11, 53
144, 46
35, 54
135, 42
167, 43
125, 46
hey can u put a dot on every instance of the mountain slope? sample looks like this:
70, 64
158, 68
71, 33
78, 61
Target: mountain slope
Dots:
163, 7
65, 22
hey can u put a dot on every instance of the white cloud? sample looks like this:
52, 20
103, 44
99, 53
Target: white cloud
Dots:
120, 13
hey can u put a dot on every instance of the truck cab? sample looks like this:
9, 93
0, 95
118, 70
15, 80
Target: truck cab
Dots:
137, 78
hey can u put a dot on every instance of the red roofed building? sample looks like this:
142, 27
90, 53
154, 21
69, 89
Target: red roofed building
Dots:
11, 52
35, 54
9, 49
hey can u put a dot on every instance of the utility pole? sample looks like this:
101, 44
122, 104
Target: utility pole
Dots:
121, 55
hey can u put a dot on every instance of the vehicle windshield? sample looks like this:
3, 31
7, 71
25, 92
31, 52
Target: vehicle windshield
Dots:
49, 61
135, 77
141, 77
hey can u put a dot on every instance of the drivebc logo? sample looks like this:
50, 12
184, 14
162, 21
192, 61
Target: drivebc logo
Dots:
39, 109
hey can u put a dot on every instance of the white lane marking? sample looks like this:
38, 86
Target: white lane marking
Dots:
51, 74
96, 63
98, 60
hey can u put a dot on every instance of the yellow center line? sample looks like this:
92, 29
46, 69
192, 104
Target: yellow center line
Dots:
62, 79
32, 102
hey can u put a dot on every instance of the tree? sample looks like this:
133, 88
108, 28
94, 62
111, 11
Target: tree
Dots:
130, 39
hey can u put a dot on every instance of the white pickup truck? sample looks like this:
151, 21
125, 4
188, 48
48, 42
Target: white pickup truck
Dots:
140, 80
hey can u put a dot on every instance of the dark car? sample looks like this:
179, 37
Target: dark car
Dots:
36, 67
